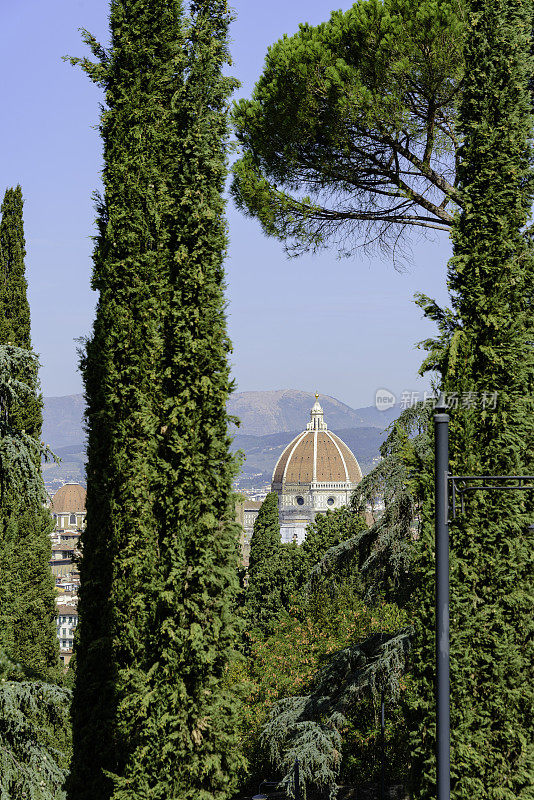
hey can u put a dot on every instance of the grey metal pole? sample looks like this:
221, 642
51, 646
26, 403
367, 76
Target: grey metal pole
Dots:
441, 433
382, 748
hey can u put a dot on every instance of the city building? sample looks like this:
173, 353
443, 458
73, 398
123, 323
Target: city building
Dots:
66, 622
68, 507
317, 471
68, 510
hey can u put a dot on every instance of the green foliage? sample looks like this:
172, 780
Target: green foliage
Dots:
265, 541
151, 713
263, 594
27, 598
485, 346
322, 647
311, 726
287, 663
279, 572
15, 318
14, 307
349, 134
34, 735
328, 531
383, 554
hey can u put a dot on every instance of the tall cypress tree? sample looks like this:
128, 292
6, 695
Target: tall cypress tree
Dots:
489, 357
159, 572
263, 593
15, 319
27, 603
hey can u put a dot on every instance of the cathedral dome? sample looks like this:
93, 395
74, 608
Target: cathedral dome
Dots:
70, 498
316, 456
316, 473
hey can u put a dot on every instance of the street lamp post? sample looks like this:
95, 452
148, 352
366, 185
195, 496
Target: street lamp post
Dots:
441, 433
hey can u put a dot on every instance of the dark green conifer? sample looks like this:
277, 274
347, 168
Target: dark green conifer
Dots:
15, 319
27, 599
151, 715
263, 599
488, 353
329, 530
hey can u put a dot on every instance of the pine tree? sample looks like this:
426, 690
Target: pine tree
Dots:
151, 715
486, 349
27, 604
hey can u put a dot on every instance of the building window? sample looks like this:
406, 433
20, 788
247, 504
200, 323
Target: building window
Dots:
331, 501
300, 501
73, 519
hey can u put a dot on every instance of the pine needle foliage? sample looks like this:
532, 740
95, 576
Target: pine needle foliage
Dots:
485, 347
348, 138
27, 598
384, 553
34, 735
310, 727
151, 714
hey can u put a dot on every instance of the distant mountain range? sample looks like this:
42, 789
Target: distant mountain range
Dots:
263, 413
269, 420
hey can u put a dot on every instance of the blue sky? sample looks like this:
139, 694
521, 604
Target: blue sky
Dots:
342, 327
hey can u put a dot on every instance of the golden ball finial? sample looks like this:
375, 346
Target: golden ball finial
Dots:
316, 395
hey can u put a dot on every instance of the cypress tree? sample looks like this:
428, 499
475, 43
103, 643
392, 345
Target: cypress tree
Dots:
487, 355
263, 600
27, 604
15, 319
151, 716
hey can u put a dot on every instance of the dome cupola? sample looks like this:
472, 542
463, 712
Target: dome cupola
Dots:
316, 472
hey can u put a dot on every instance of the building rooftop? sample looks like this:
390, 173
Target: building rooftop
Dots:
64, 609
69, 499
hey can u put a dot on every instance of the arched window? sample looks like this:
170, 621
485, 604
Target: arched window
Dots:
72, 520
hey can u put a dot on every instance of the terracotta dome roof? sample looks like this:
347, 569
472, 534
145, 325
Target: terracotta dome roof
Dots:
317, 456
70, 498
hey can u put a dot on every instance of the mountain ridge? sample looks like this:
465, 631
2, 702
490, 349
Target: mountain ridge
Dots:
260, 414
269, 420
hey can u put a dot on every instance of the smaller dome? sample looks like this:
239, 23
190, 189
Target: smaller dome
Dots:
70, 498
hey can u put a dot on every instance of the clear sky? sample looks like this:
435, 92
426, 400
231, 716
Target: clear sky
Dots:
342, 327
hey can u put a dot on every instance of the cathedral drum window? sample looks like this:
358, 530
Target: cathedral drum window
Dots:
331, 501
299, 500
